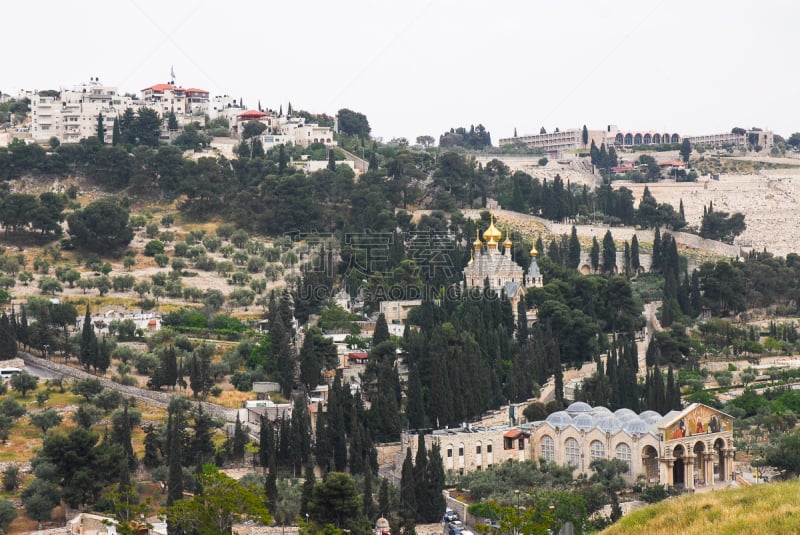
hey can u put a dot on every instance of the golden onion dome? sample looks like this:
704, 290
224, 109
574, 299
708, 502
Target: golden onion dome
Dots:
477, 244
471, 258
492, 243
492, 232
534, 252
507, 242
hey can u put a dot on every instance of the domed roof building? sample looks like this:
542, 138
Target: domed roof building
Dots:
688, 448
492, 264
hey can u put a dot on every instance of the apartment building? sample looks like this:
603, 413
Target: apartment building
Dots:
71, 114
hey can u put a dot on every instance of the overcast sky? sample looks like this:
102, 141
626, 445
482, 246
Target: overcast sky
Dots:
421, 67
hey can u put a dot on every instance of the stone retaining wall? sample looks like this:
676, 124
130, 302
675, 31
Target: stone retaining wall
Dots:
159, 399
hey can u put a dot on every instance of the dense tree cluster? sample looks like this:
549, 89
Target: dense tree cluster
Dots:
476, 138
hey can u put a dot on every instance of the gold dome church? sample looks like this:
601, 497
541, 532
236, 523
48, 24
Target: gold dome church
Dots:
490, 267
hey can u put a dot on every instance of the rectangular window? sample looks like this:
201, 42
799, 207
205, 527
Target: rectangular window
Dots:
508, 444
478, 449
461, 451
449, 453
522, 443
488, 448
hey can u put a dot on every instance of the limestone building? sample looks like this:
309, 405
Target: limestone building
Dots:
688, 448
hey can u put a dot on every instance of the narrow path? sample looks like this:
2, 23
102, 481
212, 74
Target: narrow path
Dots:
158, 399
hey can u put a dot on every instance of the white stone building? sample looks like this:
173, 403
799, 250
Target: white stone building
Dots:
688, 448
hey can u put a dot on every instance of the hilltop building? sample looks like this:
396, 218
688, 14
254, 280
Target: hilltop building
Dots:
560, 141
688, 448
71, 114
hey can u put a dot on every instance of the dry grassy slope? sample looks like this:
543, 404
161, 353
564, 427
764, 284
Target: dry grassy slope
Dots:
757, 510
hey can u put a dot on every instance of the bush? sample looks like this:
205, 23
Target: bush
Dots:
153, 248
242, 381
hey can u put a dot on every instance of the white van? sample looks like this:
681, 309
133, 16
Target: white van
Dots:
7, 373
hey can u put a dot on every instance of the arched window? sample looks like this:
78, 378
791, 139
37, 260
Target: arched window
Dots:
624, 454
618, 138
637, 139
597, 449
548, 448
628, 139
573, 452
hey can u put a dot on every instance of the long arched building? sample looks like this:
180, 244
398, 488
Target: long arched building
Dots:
688, 448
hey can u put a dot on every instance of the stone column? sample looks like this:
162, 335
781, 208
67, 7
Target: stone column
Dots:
689, 467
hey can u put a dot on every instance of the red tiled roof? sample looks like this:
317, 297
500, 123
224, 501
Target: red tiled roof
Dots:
159, 87
358, 355
253, 113
674, 163
513, 433
620, 168
195, 90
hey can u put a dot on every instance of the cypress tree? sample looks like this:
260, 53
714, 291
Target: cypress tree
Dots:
435, 481
271, 485
635, 253
101, 130
408, 497
381, 333
116, 133
609, 253
308, 489
331, 160
574, 249
522, 320
8, 338
594, 255
656, 264
421, 478
174, 459
87, 337
103, 356
239, 439
368, 502
383, 498
585, 136
415, 404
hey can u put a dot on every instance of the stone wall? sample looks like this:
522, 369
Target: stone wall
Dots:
159, 399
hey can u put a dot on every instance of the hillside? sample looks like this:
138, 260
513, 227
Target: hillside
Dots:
762, 509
